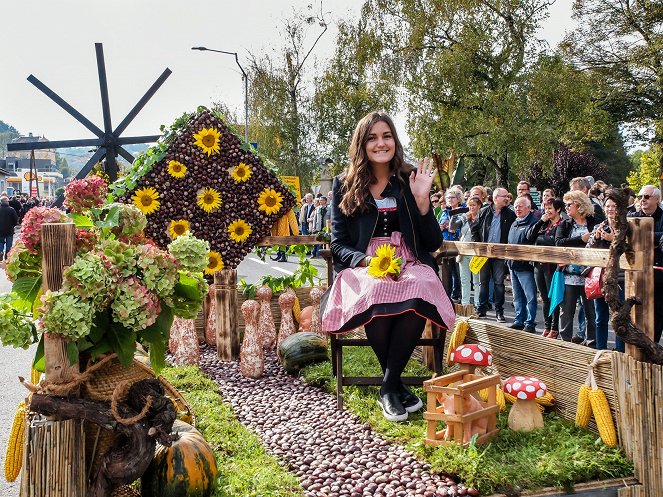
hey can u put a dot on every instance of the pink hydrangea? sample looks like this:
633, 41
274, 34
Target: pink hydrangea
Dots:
85, 193
31, 225
135, 307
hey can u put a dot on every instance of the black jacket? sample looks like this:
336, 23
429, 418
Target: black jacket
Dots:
8, 220
658, 232
485, 218
351, 235
518, 236
540, 233
563, 235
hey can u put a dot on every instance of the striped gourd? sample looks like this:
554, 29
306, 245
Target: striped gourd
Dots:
457, 337
603, 417
584, 408
292, 221
14, 454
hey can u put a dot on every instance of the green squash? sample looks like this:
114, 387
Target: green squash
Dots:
185, 469
302, 349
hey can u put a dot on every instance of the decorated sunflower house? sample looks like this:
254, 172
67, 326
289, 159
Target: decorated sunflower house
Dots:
99, 298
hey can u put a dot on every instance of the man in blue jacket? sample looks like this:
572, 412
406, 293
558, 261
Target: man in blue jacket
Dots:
492, 226
522, 272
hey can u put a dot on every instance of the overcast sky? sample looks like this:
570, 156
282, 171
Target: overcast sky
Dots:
54, 40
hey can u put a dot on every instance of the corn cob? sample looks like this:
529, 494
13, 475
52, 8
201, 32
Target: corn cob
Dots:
546, 400
35, 376
292, 221
499, 398
14, 454
296, 309
457, 337
483, 393
603, 417
584, 409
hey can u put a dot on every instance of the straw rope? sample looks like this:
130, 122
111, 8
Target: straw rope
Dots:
119, 395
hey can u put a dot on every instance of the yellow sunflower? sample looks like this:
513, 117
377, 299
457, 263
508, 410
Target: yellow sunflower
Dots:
214, 263
178, 228
209, 199
270, 201
208, 140
147, 200
176, 169
241, 173
384, 263
239, 230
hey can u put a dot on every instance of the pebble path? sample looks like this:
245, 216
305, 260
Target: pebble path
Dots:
332, 452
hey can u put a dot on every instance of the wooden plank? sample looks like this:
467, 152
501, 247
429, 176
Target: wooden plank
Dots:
466, 418
271, 241
479, 384
641, 284
227, 328
561, 255
447, 378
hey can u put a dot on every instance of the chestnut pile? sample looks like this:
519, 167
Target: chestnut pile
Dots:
332, 452
178, 196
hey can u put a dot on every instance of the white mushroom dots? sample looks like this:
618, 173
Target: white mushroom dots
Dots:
472, 354
525, 387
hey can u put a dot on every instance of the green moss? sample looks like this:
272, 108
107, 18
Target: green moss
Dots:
557, 455
245, 467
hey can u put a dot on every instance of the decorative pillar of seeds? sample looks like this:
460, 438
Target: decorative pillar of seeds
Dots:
316, 324
183, 342
266, 326
252, 356
287, 326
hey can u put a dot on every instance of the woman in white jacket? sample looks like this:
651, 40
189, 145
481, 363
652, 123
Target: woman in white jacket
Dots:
464, 222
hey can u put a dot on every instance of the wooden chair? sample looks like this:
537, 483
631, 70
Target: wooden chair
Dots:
436, 341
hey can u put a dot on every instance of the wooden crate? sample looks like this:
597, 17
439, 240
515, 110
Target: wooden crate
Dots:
461, 385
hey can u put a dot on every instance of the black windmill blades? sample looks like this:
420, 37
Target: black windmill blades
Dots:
108, 141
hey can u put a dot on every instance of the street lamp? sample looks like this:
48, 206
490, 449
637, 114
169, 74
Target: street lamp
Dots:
246, 87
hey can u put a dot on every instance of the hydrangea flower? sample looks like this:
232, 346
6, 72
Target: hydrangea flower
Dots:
15, 329
66, 313
184, 307
122, 256
135, 307
85, 240
31, 225
86, 193
191, 252
159, 270
91, 277
21, 262
131, 220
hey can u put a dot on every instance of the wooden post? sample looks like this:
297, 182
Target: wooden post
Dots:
641, 283
227, 329
58, 250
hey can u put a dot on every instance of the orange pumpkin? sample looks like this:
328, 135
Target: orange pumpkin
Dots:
185, 469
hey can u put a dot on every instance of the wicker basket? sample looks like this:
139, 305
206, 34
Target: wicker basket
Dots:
125, 491
101, 387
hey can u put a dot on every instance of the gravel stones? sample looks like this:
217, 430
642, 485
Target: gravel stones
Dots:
332, 452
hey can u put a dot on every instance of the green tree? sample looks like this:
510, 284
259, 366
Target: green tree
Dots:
622, 42
7, 134
279, 103
647, 172
479, 83
352, 84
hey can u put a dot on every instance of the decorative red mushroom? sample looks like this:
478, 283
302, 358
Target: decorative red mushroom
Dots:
525, 414
471, 355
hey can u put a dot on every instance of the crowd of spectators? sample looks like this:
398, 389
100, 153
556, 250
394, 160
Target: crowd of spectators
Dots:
580, 217
12, 210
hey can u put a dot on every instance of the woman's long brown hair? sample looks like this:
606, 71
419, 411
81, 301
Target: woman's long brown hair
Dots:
359, 174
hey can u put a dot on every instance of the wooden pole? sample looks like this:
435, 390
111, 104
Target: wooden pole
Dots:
227, 329
641, 283
58, 249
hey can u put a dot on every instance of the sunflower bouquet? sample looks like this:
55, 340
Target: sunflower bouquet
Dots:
385, 264
120, 289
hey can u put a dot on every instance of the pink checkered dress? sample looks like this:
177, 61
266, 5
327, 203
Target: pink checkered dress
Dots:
356, 298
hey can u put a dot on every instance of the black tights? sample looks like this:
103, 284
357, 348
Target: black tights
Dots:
393, 339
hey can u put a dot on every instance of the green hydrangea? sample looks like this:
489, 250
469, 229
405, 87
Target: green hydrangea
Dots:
159, 270
21, 263
131, 220
191, 252
90, 277
185, 306
15, 329
66, 313
122, 256
135, 307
